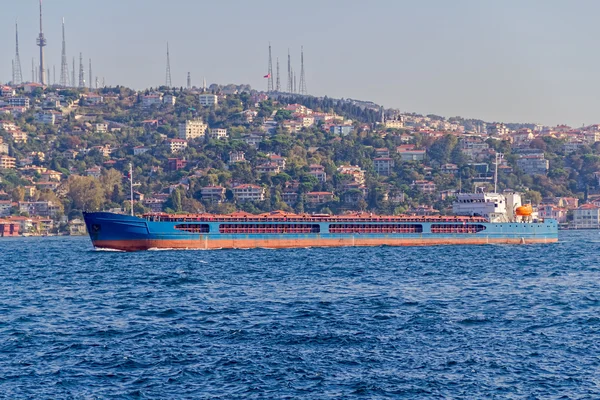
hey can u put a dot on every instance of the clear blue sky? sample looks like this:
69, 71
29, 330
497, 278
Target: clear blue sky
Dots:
511, 60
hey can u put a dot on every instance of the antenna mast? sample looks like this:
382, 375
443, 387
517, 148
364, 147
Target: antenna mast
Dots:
302, 77
81, 75
278, 83
41, 42
90, 75
18, 72
168, 82
73, 74
290, 86
270, 73
189, 81
64, 65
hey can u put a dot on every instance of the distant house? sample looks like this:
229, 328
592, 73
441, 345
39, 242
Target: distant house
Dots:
341, 130
424, 186
208, 100
177, 145
409, 153
247, 192
215, 194
175, 164
152, 99
94, 172
383, 165
140, 150
319, 197
586, 217
318, 171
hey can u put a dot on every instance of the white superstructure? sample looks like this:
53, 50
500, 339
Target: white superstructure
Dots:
494, 206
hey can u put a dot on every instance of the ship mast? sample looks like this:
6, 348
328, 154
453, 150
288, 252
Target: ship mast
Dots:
131, 186
496, 175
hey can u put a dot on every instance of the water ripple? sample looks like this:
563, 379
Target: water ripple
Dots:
423, 322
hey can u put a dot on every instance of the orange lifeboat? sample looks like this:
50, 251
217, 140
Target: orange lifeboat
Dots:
524, 211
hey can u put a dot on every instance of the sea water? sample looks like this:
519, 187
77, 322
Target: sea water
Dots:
499, 321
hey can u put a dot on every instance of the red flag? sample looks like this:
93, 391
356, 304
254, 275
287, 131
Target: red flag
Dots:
267, 76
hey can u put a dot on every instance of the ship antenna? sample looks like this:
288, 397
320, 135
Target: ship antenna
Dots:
496, 176
131, 186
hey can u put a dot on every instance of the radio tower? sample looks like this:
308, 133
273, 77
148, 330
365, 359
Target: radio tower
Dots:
302, 78
90, 75
168, 80
32, 71
277, 82
73, 74
189, 81
270, 73
81, 75
290, 85
18, 73
41, 42
64, 65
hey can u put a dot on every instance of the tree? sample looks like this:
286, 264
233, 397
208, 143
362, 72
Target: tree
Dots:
85, 192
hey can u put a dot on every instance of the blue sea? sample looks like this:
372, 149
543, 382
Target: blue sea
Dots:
444, 322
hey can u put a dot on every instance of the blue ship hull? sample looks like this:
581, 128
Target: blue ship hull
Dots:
128, 233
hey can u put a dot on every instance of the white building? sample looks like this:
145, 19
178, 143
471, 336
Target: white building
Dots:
152, 99
177, 145
586, 217
169, 99
208, 99
249, 193
192, 129
45, 118
101, 128
139, 150
217, 133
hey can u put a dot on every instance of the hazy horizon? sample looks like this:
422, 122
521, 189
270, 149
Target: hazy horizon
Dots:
508, 62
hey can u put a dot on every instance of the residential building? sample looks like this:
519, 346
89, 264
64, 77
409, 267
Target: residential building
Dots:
394, 124
217, 133
140, 150
341, 130
353, 171
408, 152
19, 136
45, 118
175, 164
5, 207
18, 102
77, 227
552, 211
253, 140
93, 99
269, 168
7, 91
3, 147
237, 156
101, 128
7, 162
169, 99
277, 159
248, 192
39, 208
192, 129
533, 164
382, 152
318, 171
319, 197
208, 99
424, 186
94, 172
214, 194
152, 99
383, 165
450, 169
586, 217
177, 145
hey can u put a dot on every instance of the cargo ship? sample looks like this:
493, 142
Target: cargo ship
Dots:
479, 218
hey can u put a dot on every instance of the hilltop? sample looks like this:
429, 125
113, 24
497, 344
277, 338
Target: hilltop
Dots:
63, 151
